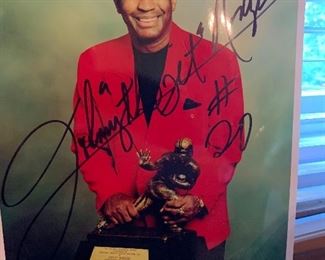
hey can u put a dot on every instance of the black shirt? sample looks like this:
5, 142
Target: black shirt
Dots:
149, 68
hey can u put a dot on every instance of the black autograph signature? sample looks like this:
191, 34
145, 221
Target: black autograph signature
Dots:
222, 95
245, 122
166, 104
248, 9
42, 175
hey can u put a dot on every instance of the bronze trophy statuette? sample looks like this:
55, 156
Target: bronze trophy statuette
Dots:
175, 170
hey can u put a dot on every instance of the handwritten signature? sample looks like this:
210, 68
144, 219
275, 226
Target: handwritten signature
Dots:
245, 122
42, 175
166, 104
248, 9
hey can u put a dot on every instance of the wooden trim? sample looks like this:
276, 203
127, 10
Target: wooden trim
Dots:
311, 244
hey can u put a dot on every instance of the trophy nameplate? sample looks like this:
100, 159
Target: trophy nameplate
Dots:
104, 253
135, 243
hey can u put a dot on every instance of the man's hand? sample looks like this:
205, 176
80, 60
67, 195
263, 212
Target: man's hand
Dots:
119, 209
180, 210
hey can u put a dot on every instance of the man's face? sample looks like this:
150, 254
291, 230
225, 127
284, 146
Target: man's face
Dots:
147, 20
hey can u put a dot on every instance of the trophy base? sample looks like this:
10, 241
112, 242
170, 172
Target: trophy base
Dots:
137, 244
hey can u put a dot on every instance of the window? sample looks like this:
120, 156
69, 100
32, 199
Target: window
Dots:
311, 174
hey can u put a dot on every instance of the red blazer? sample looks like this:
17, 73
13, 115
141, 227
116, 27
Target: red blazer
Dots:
200, 97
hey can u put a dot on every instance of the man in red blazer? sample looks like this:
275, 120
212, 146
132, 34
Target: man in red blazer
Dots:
145, 90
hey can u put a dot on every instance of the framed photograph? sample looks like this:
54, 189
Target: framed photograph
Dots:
175, 116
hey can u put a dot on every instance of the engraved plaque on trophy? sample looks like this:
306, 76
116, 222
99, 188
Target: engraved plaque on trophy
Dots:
137, 244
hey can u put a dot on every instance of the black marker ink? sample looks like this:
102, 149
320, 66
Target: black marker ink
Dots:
232, 134
42, 208
222, 95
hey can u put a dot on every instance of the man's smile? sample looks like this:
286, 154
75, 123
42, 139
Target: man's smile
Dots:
147, 21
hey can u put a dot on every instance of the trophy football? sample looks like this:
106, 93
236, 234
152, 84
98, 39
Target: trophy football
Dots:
175, 170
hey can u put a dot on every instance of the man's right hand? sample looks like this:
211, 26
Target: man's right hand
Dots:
119, 209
